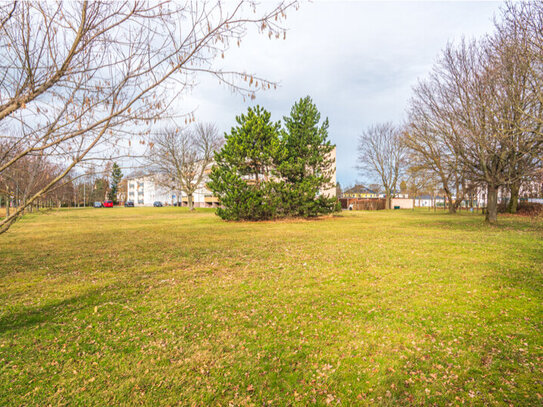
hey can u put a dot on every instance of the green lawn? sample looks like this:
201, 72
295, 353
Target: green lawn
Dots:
157, 306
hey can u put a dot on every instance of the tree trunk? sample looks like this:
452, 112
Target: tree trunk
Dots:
189, 202
8, 201
388, 200
449, 199
513, 202
492, 205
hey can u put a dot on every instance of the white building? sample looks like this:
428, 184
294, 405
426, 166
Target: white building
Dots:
144, 190
395, 194
330, 193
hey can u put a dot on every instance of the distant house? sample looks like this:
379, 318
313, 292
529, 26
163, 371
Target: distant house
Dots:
426, 201
360, 191
399, 194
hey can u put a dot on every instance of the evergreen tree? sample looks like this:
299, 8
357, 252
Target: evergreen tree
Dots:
264, 172
244, 177
306, 166
116, 177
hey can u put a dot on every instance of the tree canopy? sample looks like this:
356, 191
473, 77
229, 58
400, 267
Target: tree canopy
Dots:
267, 172
116, 177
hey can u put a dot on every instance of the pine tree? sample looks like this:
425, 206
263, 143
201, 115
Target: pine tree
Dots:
244, 177
307, 165
116, 177
264, 172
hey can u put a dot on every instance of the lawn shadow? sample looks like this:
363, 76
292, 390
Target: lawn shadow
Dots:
518, 239
48, 313
468, 222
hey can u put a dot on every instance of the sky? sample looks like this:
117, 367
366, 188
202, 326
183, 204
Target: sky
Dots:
357, 60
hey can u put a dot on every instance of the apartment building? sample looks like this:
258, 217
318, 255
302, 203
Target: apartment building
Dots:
144, 190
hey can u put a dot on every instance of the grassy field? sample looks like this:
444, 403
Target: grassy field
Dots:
157, 306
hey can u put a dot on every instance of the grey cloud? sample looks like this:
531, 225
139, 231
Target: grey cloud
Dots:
358, 61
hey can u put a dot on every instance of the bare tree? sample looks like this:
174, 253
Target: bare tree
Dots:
376, 188
419, 179
434, 189
477, 120
430, 134
493, 142
339, 191
181, 158
381, 155
516, 49
468, 123
520, 28
80, 81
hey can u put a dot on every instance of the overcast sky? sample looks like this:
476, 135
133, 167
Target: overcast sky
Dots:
357, 60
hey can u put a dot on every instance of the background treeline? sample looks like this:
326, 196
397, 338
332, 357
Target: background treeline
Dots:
267, 170
30, 175
475, 122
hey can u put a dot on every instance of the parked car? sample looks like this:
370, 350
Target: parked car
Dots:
129, 204
157, 204
97, 204
108, 204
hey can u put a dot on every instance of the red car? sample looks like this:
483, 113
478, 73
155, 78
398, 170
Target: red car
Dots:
108, 204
